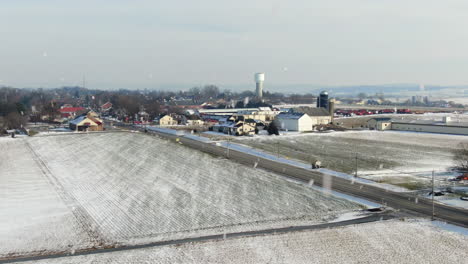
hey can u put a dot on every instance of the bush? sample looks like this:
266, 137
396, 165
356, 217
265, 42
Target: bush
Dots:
273, 129
461, 157
32, 132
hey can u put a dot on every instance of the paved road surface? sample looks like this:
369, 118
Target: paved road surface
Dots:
409, 203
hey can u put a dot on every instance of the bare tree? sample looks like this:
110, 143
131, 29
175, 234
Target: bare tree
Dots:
14, 120
210, 91
460, 156
362, 96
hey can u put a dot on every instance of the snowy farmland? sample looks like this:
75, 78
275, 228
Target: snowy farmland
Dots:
400, 158
32, 215
379, 242
70, 192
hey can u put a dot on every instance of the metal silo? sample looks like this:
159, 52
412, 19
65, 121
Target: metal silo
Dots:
322, 100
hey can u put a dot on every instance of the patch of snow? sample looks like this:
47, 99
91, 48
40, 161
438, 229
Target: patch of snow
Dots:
393, 241
32, 215
350, 216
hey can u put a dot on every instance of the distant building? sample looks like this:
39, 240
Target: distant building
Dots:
194, 120
263, 114
319, 116
432, 127
87, 122
238, 128
165, 120
379, 123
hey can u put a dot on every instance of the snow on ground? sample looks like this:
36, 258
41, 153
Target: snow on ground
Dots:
404, 159
379, 242
405, 137
32, 216
132, 188
454, 201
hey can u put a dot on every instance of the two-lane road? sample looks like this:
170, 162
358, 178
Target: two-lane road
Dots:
400, 201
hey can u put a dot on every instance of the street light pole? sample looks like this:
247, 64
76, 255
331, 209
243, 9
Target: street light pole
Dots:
228, 141
277, 148
433, 208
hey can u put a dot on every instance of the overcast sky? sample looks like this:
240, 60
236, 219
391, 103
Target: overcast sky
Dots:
151, 44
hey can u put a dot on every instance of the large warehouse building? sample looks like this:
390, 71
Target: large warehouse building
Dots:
446, 126
450, 128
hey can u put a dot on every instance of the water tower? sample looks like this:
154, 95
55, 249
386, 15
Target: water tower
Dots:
259, 78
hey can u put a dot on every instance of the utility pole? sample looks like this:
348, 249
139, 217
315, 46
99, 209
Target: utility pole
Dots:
228, 140
356, 167
433, 208
277, 148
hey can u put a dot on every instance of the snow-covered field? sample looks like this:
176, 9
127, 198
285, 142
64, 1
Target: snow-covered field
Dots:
127, 188
400, 158
32, 216
378, 242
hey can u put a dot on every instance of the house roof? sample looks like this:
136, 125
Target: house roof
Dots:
380, 119
312, 111
71, 109
106, 105
77, 120
193, 117
95, 120
290, 115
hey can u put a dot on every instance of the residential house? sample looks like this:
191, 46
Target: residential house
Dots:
106, 107
193, 120
87, 122
165, 120
71, 112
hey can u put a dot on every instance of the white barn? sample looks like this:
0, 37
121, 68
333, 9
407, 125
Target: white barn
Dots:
293, 122
318, 115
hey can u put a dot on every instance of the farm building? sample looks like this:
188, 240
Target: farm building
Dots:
319, 115
380, 124
303, 119
87, 122
294, 122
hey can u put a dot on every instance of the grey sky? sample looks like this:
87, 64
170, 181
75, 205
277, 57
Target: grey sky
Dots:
138, 44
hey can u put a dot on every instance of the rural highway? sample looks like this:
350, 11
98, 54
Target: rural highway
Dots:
404, 202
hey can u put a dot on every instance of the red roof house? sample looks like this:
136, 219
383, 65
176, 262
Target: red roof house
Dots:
71, 111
